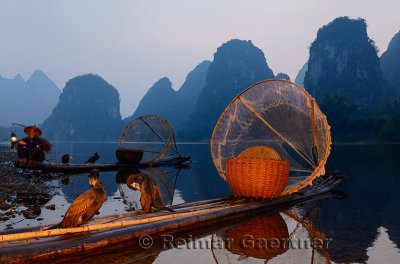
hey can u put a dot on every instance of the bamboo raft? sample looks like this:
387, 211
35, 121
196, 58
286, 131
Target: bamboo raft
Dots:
105, 234
81, 168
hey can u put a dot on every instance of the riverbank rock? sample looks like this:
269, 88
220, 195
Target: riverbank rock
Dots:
21, 192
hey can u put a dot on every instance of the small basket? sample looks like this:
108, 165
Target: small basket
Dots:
255, 177
129, 156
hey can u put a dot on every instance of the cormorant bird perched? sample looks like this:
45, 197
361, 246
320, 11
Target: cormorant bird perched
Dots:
66, 158
86, 205
93, 158
150, 192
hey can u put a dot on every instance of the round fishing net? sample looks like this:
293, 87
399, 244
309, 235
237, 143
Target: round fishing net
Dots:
278, 115
151, 134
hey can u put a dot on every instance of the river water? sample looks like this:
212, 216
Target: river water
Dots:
364, 227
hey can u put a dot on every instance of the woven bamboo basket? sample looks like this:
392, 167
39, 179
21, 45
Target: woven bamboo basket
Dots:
267, 238
257, 172
255, 177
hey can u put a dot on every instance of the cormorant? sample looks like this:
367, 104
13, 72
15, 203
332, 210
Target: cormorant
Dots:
86, 205
66, 158
93, 158
150, 192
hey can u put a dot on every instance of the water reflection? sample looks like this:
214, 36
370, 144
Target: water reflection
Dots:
292, 236
77, 184
372, 203
367, 219
262, 238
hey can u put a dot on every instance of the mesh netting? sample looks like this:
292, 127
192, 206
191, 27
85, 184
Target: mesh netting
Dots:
280, 115
164, 178
151, 134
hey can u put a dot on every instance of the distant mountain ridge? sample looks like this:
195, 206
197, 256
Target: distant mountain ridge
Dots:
176, 106
283, 76
301, 74
27, 102
159, 98
89, 109
237, 64
344, 62
390, 63
343, 73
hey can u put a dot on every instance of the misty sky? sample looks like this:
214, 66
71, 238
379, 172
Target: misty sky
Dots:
132, 44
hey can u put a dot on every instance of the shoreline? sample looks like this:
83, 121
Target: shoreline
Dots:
22, 193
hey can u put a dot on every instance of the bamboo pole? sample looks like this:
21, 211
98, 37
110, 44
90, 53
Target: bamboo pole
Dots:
183, 207
201, 215
180, 208
186, 205
88, 228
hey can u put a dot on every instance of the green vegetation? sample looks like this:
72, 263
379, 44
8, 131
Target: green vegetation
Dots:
390, 63
348, 126
345, 77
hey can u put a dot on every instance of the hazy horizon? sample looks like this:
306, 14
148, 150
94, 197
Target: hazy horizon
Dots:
132, 44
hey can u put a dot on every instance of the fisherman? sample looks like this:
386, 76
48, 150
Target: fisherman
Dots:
32, 147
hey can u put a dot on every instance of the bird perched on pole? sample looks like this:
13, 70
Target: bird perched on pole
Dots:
66, 158
86, 205
150, 196
93, 158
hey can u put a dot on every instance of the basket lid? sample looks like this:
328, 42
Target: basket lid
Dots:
261, 152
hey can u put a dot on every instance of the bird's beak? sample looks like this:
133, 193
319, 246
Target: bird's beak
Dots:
135, 186
92, 182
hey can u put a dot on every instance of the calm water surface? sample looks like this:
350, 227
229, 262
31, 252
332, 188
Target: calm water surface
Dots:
363, 228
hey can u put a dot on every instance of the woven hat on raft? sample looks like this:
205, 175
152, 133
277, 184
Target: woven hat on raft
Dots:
37, 131
273, 128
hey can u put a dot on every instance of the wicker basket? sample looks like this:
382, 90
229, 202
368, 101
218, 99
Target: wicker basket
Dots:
267, 238
129, 156
255, 177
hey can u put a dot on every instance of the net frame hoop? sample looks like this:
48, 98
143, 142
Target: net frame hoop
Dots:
160, 176
319, 168
166, 142
162, 180
313, 233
